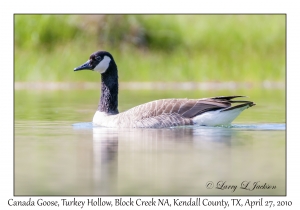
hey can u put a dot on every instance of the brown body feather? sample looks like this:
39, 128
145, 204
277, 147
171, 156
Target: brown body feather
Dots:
172, 112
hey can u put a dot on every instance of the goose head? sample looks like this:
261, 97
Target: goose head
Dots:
99, 61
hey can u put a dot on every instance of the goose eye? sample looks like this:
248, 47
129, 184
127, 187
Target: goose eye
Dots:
98, 58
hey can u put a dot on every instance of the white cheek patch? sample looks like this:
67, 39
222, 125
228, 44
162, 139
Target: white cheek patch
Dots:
103, 65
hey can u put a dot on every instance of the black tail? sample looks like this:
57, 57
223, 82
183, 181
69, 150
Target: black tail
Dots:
244, 103
228, 99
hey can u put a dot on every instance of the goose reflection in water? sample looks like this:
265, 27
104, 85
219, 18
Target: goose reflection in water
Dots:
137, 161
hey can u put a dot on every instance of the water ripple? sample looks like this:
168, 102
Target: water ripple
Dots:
266, 126
260, 127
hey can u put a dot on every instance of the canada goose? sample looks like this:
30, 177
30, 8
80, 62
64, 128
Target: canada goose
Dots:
160, 113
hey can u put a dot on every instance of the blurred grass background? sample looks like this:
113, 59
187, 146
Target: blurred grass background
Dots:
198, 48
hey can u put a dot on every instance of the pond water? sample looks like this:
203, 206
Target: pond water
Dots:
58, 151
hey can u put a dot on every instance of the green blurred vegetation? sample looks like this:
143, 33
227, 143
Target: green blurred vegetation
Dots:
152, 47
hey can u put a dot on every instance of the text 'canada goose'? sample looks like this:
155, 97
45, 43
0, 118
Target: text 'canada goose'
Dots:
160, 113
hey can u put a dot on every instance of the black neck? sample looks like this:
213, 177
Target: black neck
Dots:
109, 90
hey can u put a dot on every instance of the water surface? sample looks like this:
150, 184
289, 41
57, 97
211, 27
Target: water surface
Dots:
59, 152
